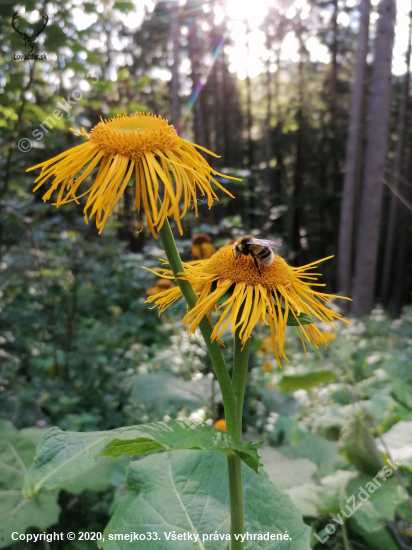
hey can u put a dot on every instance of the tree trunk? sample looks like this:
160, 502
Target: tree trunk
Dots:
268, 124
227, 109
299, 160
333, 168
249, 117
174, 35
403, 242
15, 133
280, 165
371, 202
346, 227
199, 127
397, 171
217, 126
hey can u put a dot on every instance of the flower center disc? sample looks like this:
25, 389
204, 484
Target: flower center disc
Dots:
134, 136
137, 124
243, 269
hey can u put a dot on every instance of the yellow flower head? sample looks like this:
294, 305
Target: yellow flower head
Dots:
202, 247
160, 286
266, 346
220, 425
267, 366
163, 164
275, 296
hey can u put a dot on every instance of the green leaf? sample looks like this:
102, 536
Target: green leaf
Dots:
378, 502
399, 442
63, 456
322, 499
17, 513
55, 38
103, 475
402, 391
223, 299
124, 6
319, 450
278, 402
330, 489
304, 319
187, 492
306, 381
132, 447
359, 446
174, 435
286, 472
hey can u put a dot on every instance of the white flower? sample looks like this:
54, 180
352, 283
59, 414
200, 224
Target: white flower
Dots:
374, 358
302, 397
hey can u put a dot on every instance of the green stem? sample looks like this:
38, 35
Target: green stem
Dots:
345, 537
213, 348
237, 523
232, 395
240, 366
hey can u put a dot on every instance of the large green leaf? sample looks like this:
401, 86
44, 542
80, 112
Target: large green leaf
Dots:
319, 450
187, 492
63, 456
16, 512
375, 500
306, 381
398, 440
357, 443
174, 435
324, 498
402, 392
104, 474
286, 472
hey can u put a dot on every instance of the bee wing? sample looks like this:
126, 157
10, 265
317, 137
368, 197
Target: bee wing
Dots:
264, 242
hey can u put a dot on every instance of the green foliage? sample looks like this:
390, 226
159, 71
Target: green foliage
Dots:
81, 350
17, 513
306, 381
177, 436
398, 441
62, 456
189, 508
359, 446
301, 319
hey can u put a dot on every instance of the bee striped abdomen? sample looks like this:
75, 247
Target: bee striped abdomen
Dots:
266, 256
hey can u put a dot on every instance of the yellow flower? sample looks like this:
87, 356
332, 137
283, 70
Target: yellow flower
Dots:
267, 366
202, 248
160, 286
266, 346
220, 425
328, 336
250, 297
163, 164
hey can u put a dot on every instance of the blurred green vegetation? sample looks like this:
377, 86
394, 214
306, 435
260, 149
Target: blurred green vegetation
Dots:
80, 349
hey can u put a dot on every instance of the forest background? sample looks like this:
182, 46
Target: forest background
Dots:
309, 103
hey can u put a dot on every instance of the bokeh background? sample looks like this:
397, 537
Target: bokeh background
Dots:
306, 101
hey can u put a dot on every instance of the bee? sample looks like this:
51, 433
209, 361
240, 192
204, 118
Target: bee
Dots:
259, 249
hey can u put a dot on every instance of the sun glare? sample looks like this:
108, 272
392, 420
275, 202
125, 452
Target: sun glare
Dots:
245, 10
